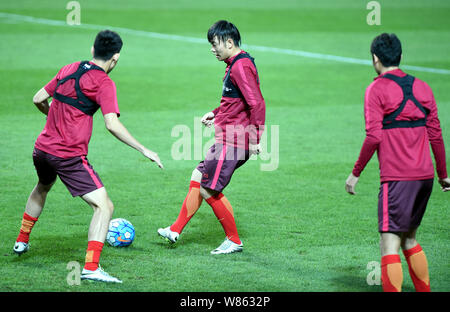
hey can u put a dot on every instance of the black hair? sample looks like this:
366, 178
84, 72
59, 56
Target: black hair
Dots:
388, 48
106, 44
224, 30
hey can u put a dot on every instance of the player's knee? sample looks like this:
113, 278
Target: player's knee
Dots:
409, 240
110, 206
44, 188
196, 175
390, 243
409, 243
105, 205
203, 193
207, 193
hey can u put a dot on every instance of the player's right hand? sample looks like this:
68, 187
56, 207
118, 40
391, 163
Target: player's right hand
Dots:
208, 119
350, 184
153, 157
445, 184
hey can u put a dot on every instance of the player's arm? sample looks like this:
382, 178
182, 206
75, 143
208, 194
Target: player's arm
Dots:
245, 77
40, 99
117, 129
373, 115
437, 145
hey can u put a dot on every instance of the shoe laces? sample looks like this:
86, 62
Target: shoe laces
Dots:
225, 245
103, 271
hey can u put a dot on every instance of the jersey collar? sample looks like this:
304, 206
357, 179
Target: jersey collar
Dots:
230, 59
396, 72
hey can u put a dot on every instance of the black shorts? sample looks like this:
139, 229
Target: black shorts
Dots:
76, 173
219, 165
402, 204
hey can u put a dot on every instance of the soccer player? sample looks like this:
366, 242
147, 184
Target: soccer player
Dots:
238, 124
401, 123
78, 91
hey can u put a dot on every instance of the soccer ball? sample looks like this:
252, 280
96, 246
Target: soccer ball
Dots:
120, 233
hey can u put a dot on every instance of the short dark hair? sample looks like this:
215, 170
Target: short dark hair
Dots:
388, 48
106, 44
224, 30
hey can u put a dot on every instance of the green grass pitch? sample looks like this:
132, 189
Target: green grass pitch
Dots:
300, 229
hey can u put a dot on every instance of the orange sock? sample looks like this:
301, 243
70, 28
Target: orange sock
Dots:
418, 268
224, 212
25, 230
93, 252
391, 273
190, 206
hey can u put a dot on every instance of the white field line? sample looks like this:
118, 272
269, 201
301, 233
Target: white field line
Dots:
5, 17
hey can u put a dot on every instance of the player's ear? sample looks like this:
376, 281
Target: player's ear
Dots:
92, 51
375, 58
229, 43
116, 57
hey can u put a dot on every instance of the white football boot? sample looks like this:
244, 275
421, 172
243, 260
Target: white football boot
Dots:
227, 247
169, 235
98, 275
21, 247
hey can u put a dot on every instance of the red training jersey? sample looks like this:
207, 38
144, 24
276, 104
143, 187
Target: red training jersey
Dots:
68, 130
403, 153
237, 113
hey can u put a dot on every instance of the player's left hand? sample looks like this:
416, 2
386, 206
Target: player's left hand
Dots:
350, 184
445, 184
208, 119
254, 149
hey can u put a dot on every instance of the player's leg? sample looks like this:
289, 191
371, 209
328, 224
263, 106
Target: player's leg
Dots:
391, 267
224, 213
415, 256
226, 159
36, 200
417, 261
393, 208
81, 180
33, 209
103, 210
98, 228
190, 205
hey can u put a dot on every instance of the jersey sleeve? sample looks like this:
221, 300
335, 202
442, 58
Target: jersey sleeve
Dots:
245, 77
436, 141
373, 115
51, 86
215, 110
107, 97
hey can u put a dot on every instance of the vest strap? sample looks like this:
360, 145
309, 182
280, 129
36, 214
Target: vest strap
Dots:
406, 83
229, 88
81, 102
